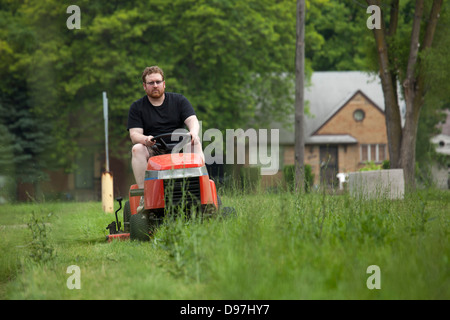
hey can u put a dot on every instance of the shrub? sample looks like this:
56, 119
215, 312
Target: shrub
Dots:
370, 166
250, 178
289, 177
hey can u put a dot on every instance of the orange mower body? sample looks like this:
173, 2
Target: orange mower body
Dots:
174, 183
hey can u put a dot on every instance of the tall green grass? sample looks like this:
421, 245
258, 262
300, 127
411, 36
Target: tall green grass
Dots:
278, 246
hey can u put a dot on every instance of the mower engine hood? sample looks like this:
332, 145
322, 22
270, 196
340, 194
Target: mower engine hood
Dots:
175, 161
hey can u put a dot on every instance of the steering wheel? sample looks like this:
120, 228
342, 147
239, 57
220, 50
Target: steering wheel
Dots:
180, 138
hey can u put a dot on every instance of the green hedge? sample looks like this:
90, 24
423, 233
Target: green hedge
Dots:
250, 178
289, 177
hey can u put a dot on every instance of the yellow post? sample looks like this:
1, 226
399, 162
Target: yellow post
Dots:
107, 192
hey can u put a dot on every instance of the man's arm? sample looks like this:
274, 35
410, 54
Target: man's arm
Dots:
137, 136
194, 128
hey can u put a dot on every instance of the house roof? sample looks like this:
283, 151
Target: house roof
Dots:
339, 107
328, 92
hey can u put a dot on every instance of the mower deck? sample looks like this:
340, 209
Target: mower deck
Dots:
118, 236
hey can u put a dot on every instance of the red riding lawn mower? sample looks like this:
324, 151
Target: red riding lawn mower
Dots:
174, 183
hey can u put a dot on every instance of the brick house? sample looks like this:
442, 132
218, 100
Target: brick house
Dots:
345, 129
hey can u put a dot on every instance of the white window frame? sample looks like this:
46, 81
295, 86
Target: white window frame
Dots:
376, 157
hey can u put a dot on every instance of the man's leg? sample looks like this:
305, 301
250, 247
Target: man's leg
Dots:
139, 158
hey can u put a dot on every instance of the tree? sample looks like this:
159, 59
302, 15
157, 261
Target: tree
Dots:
336, 36
226, 56
437, 69
25, 134
410, 73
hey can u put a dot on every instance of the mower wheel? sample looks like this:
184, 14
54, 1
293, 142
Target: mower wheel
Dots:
126, 217
228, 212
139, 227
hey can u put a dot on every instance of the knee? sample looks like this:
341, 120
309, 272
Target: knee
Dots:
139, 150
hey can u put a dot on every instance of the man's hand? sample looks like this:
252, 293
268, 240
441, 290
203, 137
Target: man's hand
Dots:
137, 136
195, 139
193, 127
149, 142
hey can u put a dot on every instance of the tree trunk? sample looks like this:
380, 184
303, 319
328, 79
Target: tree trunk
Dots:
392, 111
408, 146
299, 96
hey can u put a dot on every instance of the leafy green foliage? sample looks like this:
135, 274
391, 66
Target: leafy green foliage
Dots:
41, 250
289, 177
338, 36
227, 57
370, 166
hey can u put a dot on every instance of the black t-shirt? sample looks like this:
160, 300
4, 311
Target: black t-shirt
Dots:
162, 119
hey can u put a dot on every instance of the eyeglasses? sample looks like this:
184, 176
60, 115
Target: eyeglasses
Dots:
154, 83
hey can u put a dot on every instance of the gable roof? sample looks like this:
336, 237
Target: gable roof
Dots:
329, 91
339, 107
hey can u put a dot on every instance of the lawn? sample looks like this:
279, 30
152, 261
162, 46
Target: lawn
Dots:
278, 246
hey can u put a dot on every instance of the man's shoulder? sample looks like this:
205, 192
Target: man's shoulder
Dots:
174, 95
139, 102
177, 99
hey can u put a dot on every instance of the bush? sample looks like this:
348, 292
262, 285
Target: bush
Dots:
370, 166
289, 177
250, 178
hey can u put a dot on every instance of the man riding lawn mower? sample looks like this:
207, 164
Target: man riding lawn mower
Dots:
164, 177
174, 183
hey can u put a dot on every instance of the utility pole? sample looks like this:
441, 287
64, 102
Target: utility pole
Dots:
299, 96
107, 178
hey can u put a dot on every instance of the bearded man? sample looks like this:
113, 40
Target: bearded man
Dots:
158, 112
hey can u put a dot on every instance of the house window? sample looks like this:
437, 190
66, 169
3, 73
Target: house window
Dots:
373, 152
359, 115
